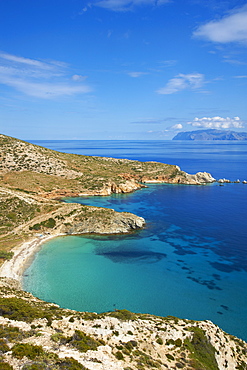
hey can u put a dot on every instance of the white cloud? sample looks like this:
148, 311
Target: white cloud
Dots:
136, 74
231, 28
178, 126
44, 80
217, 122
126, 5
27, 61
78, 77
181, 82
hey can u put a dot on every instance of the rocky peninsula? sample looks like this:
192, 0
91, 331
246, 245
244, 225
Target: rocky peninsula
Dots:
40, 335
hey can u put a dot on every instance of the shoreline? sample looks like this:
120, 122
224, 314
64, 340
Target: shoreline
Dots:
15, 267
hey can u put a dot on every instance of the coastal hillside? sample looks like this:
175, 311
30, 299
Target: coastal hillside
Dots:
33, 179
35, 335
47, 173
211, 134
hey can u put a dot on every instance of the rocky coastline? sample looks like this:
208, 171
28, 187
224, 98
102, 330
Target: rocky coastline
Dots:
38, 335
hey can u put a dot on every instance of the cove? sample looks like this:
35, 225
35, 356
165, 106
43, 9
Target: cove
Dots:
189, 261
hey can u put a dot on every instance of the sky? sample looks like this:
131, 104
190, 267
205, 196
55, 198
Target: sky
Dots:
121, 69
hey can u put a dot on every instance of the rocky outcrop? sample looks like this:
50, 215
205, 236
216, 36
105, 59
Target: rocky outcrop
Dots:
73, 218
101, 221
200, 178
112, 188
181, 177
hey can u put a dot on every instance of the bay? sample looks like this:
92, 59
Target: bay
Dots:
190, 261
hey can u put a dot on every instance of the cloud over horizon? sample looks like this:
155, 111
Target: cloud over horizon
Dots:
217, 122
231, 28
181, 82
39, 79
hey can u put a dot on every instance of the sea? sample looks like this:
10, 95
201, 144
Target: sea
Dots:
190, 261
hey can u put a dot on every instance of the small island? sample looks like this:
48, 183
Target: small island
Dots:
211, 134
40, 335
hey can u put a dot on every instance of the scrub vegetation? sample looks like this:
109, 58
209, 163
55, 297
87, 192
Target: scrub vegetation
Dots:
38, 335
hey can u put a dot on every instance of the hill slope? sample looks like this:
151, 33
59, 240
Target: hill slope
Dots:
53, 174
36, 335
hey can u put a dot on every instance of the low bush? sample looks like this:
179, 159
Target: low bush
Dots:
124, 315
84, 342
30, 351
5, 366
202, 353
3, 346
6, 255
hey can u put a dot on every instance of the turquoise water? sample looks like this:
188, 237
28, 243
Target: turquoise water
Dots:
190, 260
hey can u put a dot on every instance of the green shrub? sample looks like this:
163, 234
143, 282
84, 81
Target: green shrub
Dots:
35, 227
202, 352
5, 366
84, 342
58, 337
3, 346
159, 341
6, 255
35, 366
130, 345
69, 363
18, 309
178, 342
11, 333
20, 350
169, 356
119, 355
50, 223
123, 315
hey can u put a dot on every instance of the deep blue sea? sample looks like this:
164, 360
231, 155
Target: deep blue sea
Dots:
191, 259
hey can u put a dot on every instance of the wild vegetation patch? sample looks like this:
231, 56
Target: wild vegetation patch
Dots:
202, 352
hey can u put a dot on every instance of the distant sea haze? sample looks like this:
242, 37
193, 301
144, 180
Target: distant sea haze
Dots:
191, 259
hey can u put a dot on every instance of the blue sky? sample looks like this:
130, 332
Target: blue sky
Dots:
121, 69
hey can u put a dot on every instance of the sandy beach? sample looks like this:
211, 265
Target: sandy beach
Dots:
23, 254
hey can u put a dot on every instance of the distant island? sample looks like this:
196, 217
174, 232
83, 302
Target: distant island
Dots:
211, 134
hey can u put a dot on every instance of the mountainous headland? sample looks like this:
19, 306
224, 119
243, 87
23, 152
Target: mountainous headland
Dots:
211, 134
40, 335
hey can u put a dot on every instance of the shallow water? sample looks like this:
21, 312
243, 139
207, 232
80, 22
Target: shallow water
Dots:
190, 260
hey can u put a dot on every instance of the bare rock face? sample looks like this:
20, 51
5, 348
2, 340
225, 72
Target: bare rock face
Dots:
127, 186
200, 178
